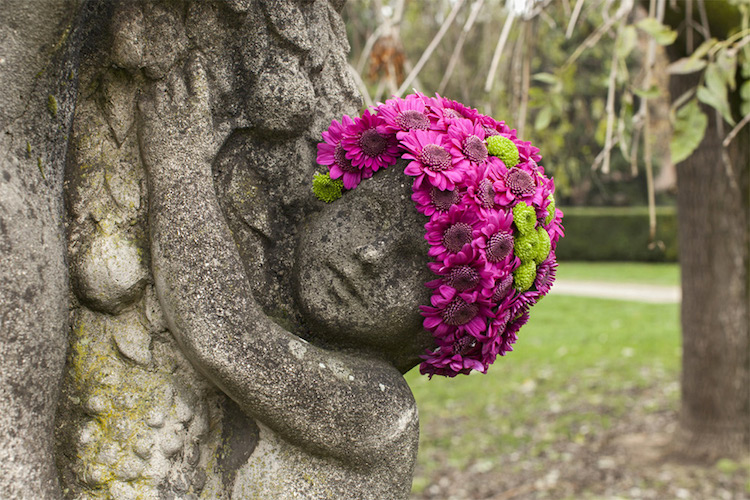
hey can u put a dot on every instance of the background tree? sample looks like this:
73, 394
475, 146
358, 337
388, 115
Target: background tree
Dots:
714, 227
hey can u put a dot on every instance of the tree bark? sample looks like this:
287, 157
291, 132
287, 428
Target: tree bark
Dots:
714, 240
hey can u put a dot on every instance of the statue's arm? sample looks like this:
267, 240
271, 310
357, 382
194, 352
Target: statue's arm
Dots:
323, 401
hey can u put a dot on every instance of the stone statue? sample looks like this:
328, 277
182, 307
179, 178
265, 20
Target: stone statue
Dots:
215, 352
229, 335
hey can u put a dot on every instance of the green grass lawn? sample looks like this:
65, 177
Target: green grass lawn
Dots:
625, 272
575, 368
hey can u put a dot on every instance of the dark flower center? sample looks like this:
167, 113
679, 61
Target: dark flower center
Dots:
435, 157
412, 120
344, 163
463, 278
499, 246
372, 143
501, 290
456, 236
519, 182
464, 344
488, 131
443, 200
486, 193
451, 113
458, 312
474, 149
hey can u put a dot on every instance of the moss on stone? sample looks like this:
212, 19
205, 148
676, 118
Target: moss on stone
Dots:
52, 105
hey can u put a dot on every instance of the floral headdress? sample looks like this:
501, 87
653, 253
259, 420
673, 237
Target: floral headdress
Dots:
492, 229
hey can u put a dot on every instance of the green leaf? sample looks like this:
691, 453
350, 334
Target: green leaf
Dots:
543, 118
714, 93
688, 130
626, 42
545, 78
662, 34
727, 65
703, 48
686, 65
650, 93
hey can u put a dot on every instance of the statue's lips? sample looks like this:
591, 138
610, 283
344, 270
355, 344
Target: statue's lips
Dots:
342, 287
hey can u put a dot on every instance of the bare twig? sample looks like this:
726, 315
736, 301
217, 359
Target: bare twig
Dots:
361, 85
566, 7
625, 7
475, 8
688, 29
610, 109
498, 51
430, 48
730, 137
573, 19
704, 18
526, 78
369, 44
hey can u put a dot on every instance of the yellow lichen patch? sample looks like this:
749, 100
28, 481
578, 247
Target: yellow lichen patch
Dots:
52, 105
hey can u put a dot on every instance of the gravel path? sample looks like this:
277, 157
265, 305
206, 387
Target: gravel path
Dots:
655, 294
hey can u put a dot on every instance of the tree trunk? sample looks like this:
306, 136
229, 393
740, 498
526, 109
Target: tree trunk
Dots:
714, 238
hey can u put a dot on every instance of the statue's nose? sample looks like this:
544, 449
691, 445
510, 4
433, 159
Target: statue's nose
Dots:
373, 253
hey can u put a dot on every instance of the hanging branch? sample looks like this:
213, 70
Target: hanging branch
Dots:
573, 19
475, 8
688, 30
361, 85
498, 51
730, 137
430, 48
625, 8
610, 109
526, 79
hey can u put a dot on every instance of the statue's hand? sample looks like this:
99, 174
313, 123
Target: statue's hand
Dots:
176, 131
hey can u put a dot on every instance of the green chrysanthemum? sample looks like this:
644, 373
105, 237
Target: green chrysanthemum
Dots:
524, 276
524, 217
503, 148
325, 188
526, 247
543, 247
550, 210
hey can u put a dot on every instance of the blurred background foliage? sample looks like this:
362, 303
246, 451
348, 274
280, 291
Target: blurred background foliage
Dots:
551, 82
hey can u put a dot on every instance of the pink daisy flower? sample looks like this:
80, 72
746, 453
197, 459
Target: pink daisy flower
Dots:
519, 184
481, 191
464, 271
467, 144
430, 199
496, 239
432, 160
402, 115
445, 111
367, 145
449, 233
331, 153
545, 274
494, 127
454, 312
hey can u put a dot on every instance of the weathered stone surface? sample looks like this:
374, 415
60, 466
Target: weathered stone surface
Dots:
230, 336
37, 94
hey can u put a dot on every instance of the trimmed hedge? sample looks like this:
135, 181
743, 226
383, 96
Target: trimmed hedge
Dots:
617, 233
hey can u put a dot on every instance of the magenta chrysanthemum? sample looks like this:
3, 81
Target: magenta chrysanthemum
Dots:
431, 157
368, 145
432, 199
484, 283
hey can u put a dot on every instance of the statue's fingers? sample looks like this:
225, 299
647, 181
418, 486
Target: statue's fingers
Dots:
197, 81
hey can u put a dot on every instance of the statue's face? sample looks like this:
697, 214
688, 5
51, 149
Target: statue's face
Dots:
361, 267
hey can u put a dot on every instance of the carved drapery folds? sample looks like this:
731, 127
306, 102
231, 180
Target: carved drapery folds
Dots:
136, 420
